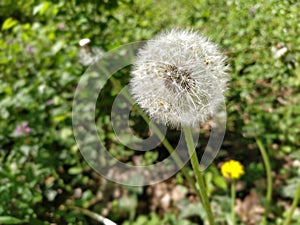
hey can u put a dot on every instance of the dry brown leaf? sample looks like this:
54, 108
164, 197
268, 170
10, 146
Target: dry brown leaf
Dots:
249, 210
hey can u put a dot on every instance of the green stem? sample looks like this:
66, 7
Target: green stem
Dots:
233, 201
269, 179
198, 174
294, 206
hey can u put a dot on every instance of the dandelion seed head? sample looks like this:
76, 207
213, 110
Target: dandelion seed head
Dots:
185, 72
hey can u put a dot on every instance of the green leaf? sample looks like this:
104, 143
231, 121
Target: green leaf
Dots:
75, 170
59, 118
9, 23
220, 182
10, 220
57, 47
41, 8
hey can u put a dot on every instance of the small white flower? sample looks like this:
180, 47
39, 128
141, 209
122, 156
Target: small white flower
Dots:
179, 78
87, 54
84, 42
41, 88
278, 53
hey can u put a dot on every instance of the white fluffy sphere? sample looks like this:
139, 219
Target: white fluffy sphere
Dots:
179, 78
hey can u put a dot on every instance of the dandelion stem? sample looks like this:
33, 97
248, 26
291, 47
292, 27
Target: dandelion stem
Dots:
233, 201
198, 174
269, 179
294, 206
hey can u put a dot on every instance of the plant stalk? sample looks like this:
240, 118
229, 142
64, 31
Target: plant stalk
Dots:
198, 174
294, 206
269, 179
233, 201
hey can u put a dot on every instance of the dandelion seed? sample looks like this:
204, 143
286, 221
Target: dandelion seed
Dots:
183, 70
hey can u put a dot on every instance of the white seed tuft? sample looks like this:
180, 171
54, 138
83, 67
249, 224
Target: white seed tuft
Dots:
179, 78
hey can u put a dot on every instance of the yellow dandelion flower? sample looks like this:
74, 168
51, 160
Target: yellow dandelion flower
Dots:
232, 169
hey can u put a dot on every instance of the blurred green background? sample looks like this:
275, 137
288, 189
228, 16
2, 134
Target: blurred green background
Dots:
42, 174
